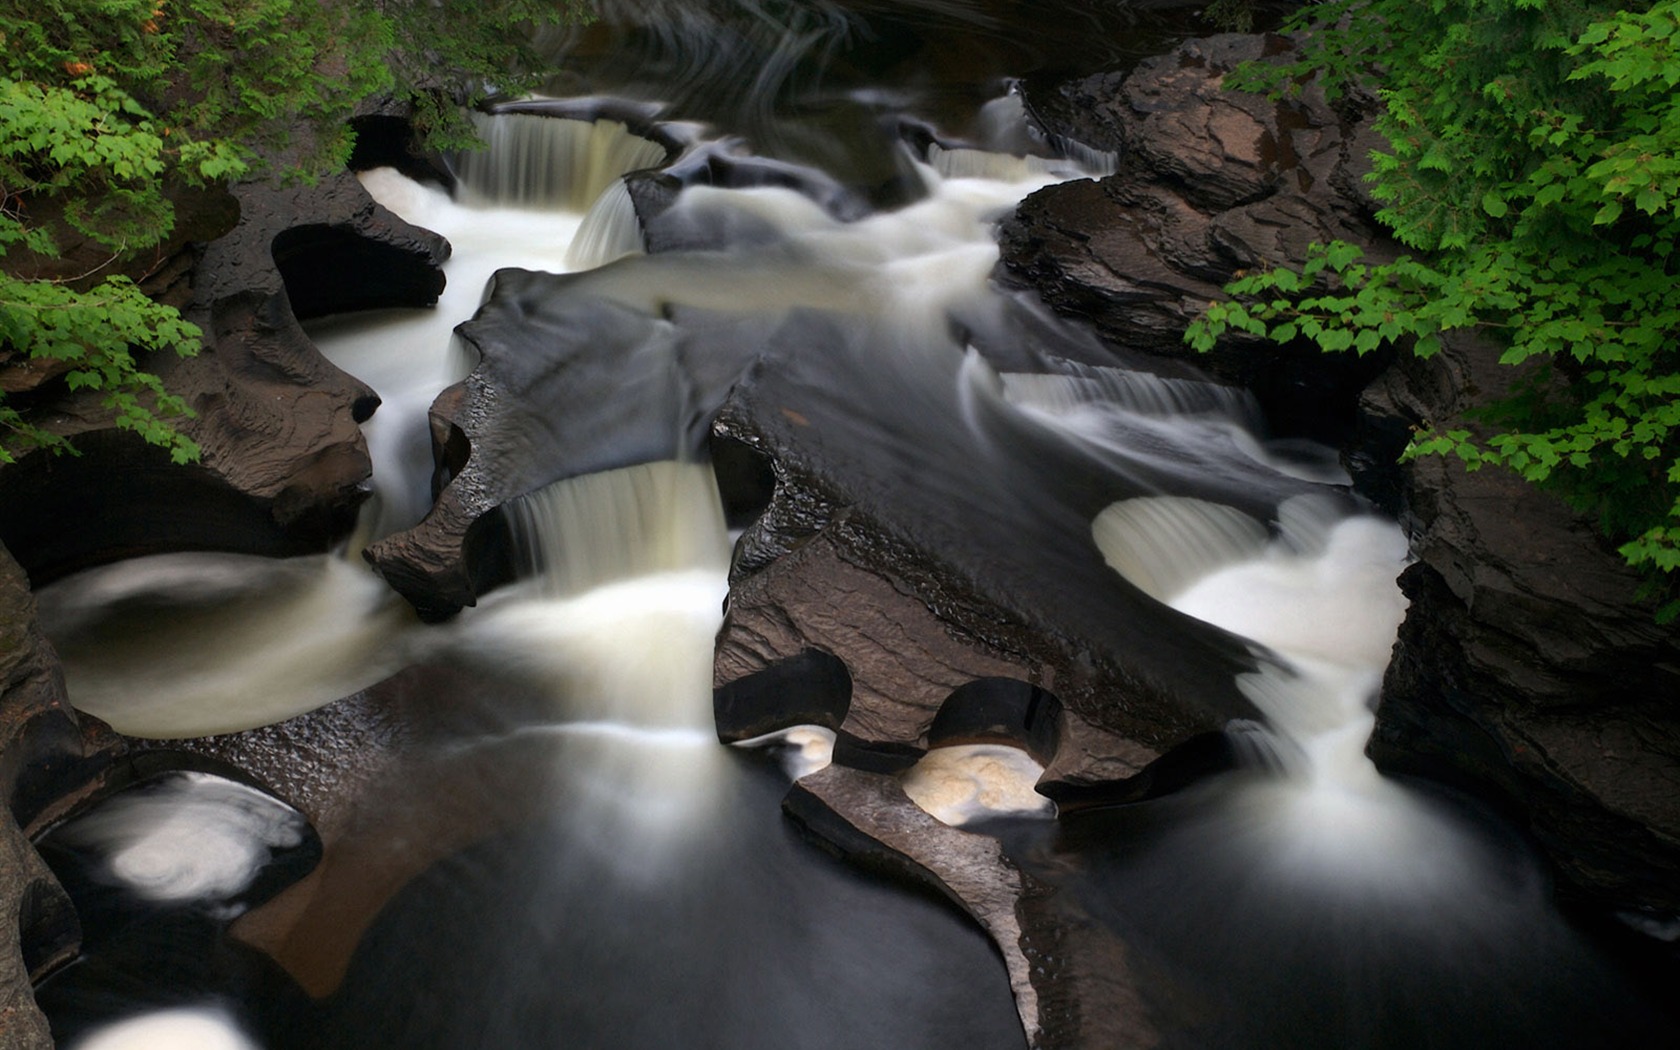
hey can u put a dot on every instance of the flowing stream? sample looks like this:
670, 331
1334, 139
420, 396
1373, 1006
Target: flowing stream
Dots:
561, 854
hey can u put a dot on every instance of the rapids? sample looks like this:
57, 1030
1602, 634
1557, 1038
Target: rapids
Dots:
553, 849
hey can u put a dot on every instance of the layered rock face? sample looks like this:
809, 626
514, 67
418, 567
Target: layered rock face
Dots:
1526, 667
1210, 183
45, 752
284, 464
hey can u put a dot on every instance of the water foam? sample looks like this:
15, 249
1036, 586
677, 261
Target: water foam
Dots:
206, 1028
186, 837
963, 783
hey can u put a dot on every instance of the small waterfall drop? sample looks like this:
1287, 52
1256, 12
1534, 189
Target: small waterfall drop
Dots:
615, 623
611, 230
1140, 392
958, 163
552, 163
1163, 543
589, 531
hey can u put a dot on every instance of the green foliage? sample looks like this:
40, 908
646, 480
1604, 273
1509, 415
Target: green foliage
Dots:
94, 333
105, 103
1230, 16
1533, 169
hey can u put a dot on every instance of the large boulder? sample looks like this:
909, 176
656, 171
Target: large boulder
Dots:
1528, 664
284, 463
1210, 183
545, 402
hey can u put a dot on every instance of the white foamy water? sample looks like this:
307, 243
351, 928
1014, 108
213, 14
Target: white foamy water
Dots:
410, 356
803, 749
910, 267
1322, 595
637, 651
185, 645
186, 837
969, 782
205, 1028
610, 230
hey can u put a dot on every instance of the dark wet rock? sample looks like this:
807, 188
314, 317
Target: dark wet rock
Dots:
284, 464
384, 780
1072, 981
1000, 710
1211, 183
893, 543
328, 247
44, 748
385, 138
666, 228
1527, 665
30, 899
810, 687
543, 404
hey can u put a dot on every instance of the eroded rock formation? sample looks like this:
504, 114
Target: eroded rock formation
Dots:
1528, 663
44, 747
284, 464
1210, 183
1526, 666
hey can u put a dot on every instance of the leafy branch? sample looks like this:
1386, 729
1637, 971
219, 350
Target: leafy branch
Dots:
1533, 169
105, 103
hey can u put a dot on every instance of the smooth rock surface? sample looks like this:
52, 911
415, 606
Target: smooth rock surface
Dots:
284, 464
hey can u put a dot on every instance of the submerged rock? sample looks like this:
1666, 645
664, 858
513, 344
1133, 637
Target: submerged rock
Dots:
1071, 979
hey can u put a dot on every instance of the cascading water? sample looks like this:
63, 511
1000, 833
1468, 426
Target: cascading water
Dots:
562, 854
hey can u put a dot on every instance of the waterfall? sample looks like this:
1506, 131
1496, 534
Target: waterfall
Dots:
624, 594
1321, 594
611, 230
1140, 392
1163, 543
597, 529
958, 163
553, 163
